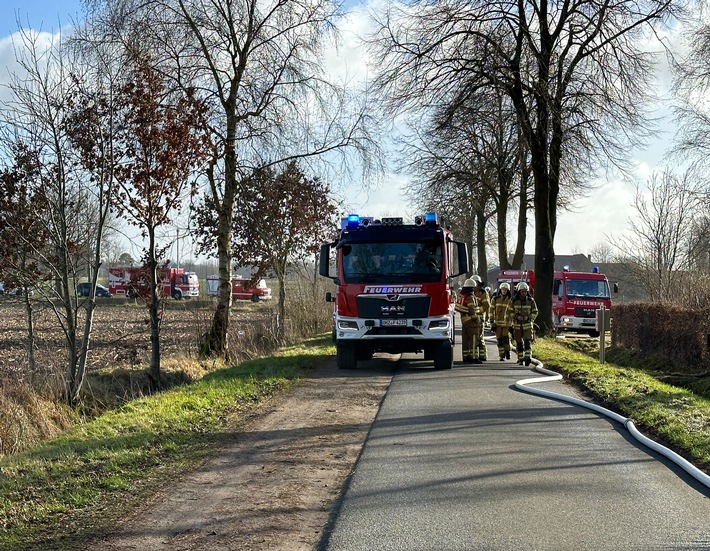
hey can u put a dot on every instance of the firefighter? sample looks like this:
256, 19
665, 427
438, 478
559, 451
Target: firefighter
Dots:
523, 311
466, 306
500, 319
483, 303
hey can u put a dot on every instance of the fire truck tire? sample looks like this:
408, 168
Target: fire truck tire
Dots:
444, 355
345, 356
594, 333
363, 354
177, 295
255, 298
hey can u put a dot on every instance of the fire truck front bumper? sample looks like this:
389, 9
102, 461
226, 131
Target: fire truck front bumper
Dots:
394, 329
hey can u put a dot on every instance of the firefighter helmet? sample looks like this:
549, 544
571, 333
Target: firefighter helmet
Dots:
469, 282
522, 286
505, 285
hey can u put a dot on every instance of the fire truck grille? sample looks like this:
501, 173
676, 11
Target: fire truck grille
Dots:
585, 312
405, 307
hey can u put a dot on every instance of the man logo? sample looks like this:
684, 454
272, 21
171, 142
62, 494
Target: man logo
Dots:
392, 309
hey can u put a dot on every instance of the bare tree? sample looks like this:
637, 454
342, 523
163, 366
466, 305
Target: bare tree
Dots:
574, 73
662, 246
259, 68
476, 151
36, 113
691, 83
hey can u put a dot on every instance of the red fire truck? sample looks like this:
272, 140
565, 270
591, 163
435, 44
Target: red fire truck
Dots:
132, 281
241, 288
393, 289
576, 296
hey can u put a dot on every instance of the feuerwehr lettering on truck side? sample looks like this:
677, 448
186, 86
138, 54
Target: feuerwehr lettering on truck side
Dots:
391, 289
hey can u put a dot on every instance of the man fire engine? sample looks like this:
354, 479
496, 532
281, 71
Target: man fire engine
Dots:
132, 281
393, 288
576, 296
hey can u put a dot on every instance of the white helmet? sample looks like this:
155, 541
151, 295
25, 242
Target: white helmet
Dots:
505, 285
469, 282
522, 286
477, 278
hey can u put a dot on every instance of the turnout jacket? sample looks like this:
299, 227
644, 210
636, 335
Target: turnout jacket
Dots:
499, 307
483, 301
522, 312
466, 305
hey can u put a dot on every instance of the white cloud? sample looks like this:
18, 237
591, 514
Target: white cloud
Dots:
600, 218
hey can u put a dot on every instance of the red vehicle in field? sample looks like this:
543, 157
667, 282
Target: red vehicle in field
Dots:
576, 297
132, 281
393, 289
241, 289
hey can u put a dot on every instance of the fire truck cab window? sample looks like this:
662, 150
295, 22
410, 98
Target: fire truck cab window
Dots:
587, 288
389, 262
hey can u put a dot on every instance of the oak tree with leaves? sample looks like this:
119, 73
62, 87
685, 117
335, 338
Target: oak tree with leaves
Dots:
278, 217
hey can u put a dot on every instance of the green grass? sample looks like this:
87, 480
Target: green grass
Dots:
75, 485
675, 416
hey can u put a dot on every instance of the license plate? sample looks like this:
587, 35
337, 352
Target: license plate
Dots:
585, 320
385, 323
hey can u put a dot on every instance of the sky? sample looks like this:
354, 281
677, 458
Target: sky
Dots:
605, 213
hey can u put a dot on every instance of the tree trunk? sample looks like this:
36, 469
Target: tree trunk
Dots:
215, 341
281, 322
154, 309
502, 220
481, 244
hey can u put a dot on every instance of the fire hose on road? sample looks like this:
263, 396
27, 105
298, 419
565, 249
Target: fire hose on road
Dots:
522, 385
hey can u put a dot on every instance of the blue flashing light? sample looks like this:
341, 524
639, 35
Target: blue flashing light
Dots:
595, 270
565, 268
353, 220
431, 218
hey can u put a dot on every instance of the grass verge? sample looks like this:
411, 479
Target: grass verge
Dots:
674, 416
74, 486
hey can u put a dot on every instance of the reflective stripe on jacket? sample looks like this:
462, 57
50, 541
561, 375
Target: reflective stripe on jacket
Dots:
523, 312
466, 306
499, 305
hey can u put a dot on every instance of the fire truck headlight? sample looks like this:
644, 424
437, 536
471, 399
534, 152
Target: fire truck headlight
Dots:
439, 324
345, 324
566, 321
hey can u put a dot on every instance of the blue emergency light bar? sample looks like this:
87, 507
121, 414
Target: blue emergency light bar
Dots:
356, 221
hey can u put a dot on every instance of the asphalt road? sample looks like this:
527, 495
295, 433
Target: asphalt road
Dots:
460, 460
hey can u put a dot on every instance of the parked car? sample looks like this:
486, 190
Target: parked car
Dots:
83, 289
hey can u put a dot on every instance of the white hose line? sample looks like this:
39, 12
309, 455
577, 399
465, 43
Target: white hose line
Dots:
691, 469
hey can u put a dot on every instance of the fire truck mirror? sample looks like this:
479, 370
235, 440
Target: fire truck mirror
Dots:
329, 297
616, 288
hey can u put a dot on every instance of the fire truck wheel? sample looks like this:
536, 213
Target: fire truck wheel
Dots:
363, 354
594, 333
444, 355
255, 298
345, 356
177, 295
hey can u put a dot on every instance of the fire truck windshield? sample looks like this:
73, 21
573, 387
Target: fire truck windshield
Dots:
588, 288
419, 261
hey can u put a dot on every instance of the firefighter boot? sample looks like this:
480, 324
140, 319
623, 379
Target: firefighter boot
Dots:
527, 352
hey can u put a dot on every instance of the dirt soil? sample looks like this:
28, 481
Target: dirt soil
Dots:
277, 485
